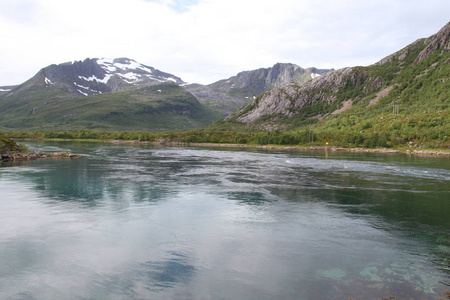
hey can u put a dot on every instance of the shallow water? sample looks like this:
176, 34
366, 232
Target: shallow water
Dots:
143, 222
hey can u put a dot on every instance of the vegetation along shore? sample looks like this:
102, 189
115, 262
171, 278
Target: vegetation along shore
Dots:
11, 151
256, 140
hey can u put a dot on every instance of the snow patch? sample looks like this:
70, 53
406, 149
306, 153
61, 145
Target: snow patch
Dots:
86, 88
171, 79
81, 86
128, 70
5, 90
83, 93
154, 78
109, 65
144, 68
132, 65
94, 78
130, 76
47, 81
314, 75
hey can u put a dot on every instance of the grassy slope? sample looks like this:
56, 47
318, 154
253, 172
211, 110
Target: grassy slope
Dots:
416, 111
153, 108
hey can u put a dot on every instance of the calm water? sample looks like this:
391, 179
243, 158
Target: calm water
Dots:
130, 222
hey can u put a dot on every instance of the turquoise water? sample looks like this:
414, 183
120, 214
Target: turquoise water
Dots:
143, 222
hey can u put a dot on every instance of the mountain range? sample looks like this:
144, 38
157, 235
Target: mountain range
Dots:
122, 94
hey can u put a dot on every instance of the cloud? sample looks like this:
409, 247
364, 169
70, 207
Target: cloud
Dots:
180, 6
207, 40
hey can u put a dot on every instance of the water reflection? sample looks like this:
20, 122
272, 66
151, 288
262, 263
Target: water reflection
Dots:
140, 280
146, 222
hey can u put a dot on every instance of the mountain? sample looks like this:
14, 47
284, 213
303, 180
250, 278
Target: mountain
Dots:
122, 94
253, 83
229, 94
110, 94
405, 96
97, 76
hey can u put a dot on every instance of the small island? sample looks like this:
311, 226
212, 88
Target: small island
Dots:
11, 151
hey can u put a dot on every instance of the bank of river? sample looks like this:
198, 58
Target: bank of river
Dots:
423, 152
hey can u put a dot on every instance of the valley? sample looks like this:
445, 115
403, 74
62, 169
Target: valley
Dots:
400, 101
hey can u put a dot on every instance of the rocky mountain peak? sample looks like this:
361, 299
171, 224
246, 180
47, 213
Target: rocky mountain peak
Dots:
96, 76
439, 41
253, 83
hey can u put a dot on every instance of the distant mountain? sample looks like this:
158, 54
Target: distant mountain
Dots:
111, 94
253, 83
97, 76
122, 94
414, 80
229, 94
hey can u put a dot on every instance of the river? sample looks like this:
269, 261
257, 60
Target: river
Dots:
146, 222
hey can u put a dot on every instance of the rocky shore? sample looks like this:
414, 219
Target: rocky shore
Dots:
302, 148
32, 155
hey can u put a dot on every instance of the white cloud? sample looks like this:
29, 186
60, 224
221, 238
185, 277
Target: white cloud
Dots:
207, 40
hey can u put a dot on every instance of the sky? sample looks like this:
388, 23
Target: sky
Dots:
203, 41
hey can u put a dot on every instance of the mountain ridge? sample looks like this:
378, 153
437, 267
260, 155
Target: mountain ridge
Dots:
102, 93
328, 93
96, 76
231, 93
67, 84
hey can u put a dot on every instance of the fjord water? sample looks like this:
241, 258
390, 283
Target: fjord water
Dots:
144, 222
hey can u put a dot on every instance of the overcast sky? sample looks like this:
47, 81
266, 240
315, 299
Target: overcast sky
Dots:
206, 40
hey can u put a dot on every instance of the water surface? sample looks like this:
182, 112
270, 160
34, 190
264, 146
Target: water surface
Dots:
142, 222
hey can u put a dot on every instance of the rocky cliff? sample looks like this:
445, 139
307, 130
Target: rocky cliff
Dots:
230, 94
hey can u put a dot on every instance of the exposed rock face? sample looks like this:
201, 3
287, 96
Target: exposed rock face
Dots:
288, 99
253, 83
232, 93
439, 41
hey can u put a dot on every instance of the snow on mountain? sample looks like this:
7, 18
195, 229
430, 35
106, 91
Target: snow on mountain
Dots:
95, 76
47, 81
130, 71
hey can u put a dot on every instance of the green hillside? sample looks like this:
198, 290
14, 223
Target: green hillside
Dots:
402, 100
415, 109
152, 108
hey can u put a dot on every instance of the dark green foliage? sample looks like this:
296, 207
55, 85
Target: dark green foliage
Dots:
7, 145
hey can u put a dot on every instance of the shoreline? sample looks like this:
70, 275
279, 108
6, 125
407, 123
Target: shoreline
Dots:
35, 155
310, 148
425, 152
